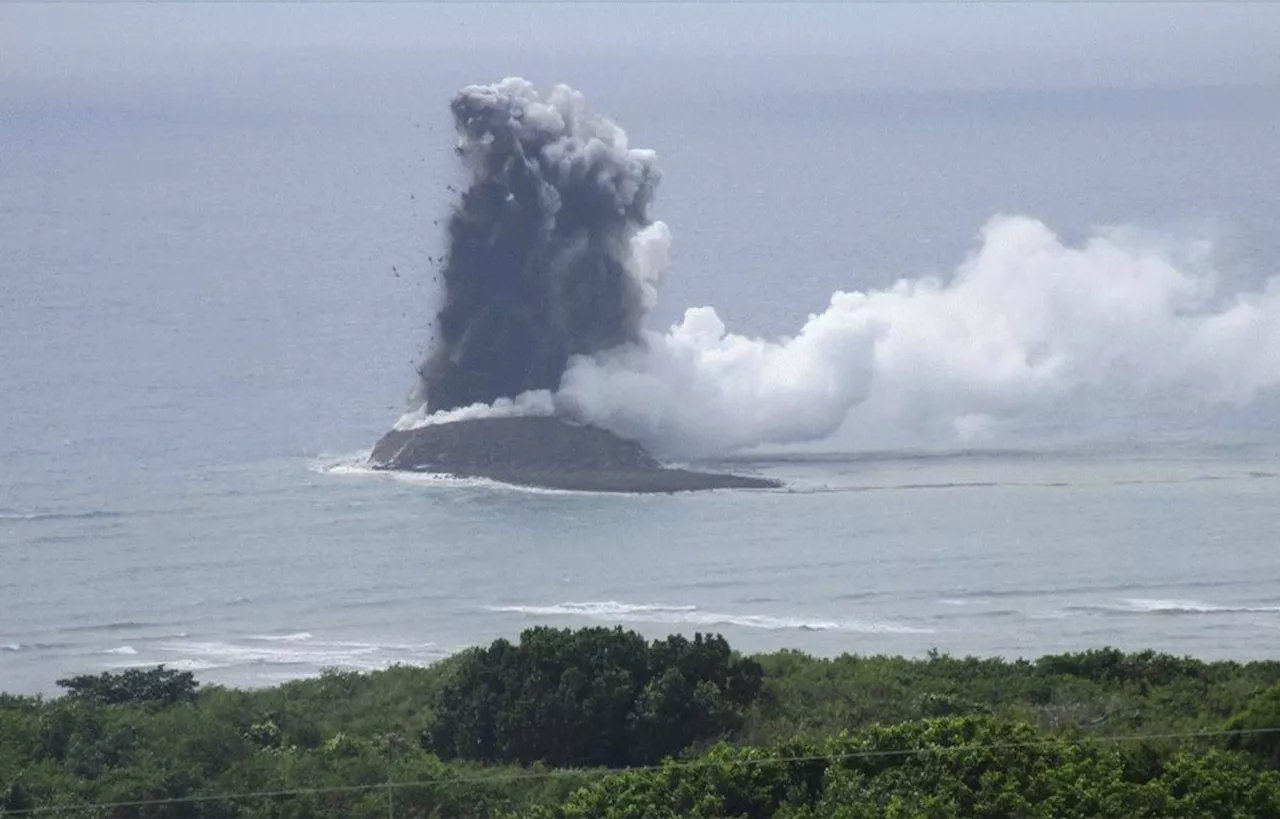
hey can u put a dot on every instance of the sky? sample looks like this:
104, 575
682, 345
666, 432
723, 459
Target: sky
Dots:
875, 45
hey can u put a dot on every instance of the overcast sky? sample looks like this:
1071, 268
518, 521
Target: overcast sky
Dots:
926, 46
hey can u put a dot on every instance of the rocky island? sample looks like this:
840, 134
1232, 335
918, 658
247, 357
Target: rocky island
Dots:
544, 452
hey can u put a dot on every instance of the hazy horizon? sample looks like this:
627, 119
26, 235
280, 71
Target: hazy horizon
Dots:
869, 46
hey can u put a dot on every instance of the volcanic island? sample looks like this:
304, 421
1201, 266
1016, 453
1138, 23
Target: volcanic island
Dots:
546, 452
551, 256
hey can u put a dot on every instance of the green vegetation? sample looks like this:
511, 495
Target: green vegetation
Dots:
591, 698
527, 729
133, 687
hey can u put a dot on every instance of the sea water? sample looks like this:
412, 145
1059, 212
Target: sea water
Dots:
214, 290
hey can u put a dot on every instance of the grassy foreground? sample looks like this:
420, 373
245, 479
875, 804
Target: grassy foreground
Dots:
539, 728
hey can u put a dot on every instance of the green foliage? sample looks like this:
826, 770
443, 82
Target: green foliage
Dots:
265, 734
781, 735
591, 697
1103, 692
1114, 666
134, 686
1259, 722
947, 768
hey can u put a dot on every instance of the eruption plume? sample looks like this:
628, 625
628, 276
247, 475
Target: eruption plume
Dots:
545, 249
553, 263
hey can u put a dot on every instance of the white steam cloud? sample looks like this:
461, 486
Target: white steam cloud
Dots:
1025, 322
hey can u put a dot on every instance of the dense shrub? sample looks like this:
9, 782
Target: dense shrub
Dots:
591, 697
961, 768
134, 686
1259, 724
851, 736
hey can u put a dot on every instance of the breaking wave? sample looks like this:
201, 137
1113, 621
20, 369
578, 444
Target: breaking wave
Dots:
91, 514
1172, 607
119, 625
127, 651
614, 611
300, 650
296, 637
17, 647
358, 467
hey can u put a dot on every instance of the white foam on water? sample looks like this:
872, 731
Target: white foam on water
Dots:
606, 608
298, 649
408, 647
231, 654
191, 665
16, 647
125, 650
90, 514
355, 463
361, 469
1049, 615
1160, 606
691, 615
1140, 604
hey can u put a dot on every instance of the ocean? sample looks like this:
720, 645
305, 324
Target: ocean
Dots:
217, 283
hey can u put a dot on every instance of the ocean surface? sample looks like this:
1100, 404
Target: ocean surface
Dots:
215, 284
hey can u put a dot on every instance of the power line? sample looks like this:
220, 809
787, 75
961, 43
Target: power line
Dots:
592, 772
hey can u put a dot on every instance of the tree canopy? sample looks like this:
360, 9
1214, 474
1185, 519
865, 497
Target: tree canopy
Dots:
533, 729
591, 697
133, 686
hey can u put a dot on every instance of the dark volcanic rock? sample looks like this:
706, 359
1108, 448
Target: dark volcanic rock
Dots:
543, 452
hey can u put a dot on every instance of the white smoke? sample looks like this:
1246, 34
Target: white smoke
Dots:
531, 403
648, 261
1026, 322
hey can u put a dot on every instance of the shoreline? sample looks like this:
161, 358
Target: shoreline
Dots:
799, 654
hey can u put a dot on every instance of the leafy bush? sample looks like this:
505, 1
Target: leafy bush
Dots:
961, 768
591, 697
134, 686
1259, 723
850, 736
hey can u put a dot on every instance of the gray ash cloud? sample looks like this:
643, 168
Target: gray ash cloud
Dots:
539, 263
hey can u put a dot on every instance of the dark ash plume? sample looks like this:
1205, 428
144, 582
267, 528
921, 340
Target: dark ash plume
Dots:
540, 262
